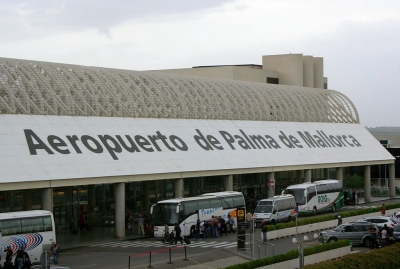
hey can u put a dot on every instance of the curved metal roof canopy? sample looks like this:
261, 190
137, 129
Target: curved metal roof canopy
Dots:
40, 88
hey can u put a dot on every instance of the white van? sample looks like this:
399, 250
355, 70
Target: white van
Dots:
279, 208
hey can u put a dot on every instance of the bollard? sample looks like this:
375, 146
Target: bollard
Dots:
351, 245
150, 262
185, 259
170, 261
129, 263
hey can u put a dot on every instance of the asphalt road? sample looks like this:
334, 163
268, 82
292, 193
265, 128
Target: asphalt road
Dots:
120, 254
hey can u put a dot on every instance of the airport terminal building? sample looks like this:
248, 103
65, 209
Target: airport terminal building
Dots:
88, 139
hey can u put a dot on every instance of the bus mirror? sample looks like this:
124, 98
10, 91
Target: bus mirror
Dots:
177, 208
151, 209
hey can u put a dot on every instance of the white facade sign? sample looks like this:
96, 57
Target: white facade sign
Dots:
34, 148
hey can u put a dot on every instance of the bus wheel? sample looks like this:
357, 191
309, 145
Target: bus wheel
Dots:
314, 211
273, 222
334, 208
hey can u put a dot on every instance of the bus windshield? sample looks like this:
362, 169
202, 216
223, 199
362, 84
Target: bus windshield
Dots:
164, 213
298, 195
263, 209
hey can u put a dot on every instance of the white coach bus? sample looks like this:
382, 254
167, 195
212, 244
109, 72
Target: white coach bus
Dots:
318, 196
33, 230
185, 211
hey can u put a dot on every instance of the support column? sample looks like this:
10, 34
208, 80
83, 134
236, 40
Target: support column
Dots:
178, 188
146, 197
47, 199
307, 175
228, 183
119, 209
367, 183
392, 190
339, 173
271, 184
27, 196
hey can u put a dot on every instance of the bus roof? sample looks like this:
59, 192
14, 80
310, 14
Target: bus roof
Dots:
202, 197
22, 214
309, 184
278, 197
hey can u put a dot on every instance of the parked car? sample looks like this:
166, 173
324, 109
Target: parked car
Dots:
396, 233
357, 232
380, 221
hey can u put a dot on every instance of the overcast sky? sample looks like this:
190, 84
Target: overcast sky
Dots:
359, 39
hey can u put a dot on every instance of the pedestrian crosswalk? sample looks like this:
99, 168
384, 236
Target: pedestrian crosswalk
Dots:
159, 244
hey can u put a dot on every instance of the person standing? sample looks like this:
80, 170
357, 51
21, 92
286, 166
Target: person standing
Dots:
214, 227
140, 222
264, 231
55, 252
372, 237
249, 218
383, 210
9, 256
19, 259
178, 234
230, 224
197, 230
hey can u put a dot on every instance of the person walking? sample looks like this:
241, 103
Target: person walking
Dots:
140, 222
264, 230
55, 252
383, 210
339, 220
178, 234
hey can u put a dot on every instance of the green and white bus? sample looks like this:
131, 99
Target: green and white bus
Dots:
318, 196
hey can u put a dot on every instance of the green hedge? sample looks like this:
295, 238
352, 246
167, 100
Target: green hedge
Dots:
293, 254
309, 220
387, 257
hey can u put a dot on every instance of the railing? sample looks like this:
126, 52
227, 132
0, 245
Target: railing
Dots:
158, 251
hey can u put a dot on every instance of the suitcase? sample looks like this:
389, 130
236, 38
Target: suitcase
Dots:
187, 241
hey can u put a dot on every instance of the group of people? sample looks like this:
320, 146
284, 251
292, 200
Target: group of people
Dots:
141, 221
215, 227
22, 259
386, 235
174, 236
351, 197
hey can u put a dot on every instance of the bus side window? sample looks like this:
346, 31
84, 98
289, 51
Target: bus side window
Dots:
227, 203
9, 226
35, 224
204, 204
238, 201
47, 223
215, 203
190, 208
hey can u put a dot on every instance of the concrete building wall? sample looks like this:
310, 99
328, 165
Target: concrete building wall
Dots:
242, 73
289, 66
308, 72
318, 72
